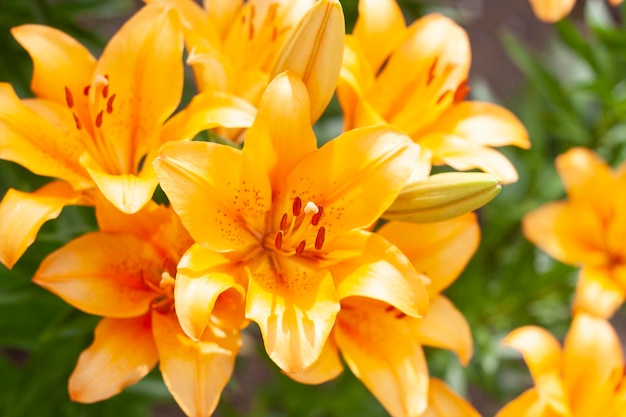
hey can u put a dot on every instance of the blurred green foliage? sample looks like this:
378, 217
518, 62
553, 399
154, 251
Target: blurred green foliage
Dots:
575, 95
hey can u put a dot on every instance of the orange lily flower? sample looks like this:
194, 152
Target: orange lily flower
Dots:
421, 88
587, 229
282, 214
236, 48
382, 345
125, 273
95, 124
584, 378
553, 10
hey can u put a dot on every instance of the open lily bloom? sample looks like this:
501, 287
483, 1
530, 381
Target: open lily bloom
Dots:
95, 124
236, 48
125, 272
382, 345
584, 378
553, 10
415, 79
283, 215
587, 229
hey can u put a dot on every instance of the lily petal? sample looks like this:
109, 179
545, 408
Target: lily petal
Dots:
463, 155
445, 327
285, 100
23, 214
203, 277
195, 372
382, 273
143, 68
62, 67
597, 293
571, 234
581, 171
381, 27
313, 52
108, 366
295, 307
443, 402
592, 356
526, 405
542, 354
552, 10
128, 192
206, 111
484, 124
434, 46
438, 250
382, 349
327, 367
47, 146
343, 173
210, 173
105, 274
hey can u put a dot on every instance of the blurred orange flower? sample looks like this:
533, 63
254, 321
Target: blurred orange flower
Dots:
587, 229
415, 78
552, 10
584, 378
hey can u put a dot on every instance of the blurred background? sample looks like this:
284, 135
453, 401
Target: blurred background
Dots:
564, 81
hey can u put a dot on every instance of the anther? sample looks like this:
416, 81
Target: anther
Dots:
297, 206
431, 71
110, 104
79, 125
319, 239
105, 91
444, 95
317, 216
278, 241
400, 315
283, 222
300, 247
99, 119
461, 92
86, 90
68, 97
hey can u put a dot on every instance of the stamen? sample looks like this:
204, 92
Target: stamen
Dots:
99, 119
278, 241
461, 92
297, 206
283, 222
110, 104
317, 216
86, 90
400, 315
444, 95
68, 97
300, 247
319, 239
389, 308
431, 71
79, 125
274, 33
105, 91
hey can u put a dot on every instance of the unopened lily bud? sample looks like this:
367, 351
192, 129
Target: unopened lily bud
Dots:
443, 196
314, 51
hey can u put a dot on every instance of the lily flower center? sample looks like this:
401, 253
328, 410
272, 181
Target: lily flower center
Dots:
300, 223
101, 104
163, 287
